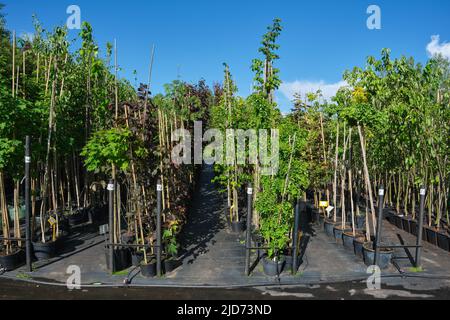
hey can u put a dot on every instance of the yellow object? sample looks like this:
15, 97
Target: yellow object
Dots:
324, 204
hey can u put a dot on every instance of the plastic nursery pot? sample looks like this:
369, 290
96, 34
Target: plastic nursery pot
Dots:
413, 228
61, 240
358, 244
12, 261
44, 251
78, 217
149, 270
406, 224
369, 256
288, 262
348, 239
170, 264
339, 231
431, 235
273, 268
443, 240
136, 258
329, 226
398, 221
122, 259
238, 227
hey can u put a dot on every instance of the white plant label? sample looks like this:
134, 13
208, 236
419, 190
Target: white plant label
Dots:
381, 192
110, 187
423, 192
27, 159
159, 187
250, 191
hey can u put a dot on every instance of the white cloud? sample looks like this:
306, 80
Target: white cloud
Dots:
435, 47
328, 89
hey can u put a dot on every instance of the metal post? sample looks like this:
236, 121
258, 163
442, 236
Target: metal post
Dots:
111, 224
248, 242
423, 193
379, 224
295, 239
28, 203
159, 190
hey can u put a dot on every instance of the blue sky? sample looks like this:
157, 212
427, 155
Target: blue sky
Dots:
320, 40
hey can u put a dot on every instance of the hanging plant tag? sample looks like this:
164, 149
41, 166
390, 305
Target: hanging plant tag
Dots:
110, 187
52, 221
324, 204
159, 187
250, 191
27, 159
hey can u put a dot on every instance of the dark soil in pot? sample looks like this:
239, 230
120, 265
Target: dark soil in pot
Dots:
329, 226
44, 251
273, 268
431, 235
122, 259
369, 256
339, 231
12, 261
238, 227
443, 240
149, 270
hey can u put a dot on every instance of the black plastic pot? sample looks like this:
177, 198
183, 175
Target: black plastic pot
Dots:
431, 236
170, 265
348, 240
406, 224
329, 226
273, 268
288, 262
358, 244
148, 270
238, 227
137, 258
44, 251
338, 233
122, 259
414, 227
443, 240
77, 218
398, 221
369, 256
13, 261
